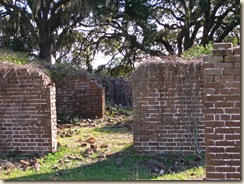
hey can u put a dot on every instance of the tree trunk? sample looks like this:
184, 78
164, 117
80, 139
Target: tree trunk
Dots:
206, 26
45, 33
45, 51
187, 40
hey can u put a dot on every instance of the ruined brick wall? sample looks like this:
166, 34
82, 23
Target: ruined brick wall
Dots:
222, 113
118, 91
27, 110
168, 107
81, 96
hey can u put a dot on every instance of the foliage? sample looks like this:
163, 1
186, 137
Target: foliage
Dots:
114, 68
68, 118
64, 71
13, 57
23, 58
198, 51
47, 24
76, 31
233, 37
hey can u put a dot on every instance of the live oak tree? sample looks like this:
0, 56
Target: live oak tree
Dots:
195, 22
48, 24
161, 27
127, 29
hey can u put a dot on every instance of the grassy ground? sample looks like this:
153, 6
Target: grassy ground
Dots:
101, 150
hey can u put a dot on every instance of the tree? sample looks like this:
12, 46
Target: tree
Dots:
160, 27
49, 22
194, 22
77, 30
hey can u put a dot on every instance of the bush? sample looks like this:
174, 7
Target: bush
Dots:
197, 51
13, 57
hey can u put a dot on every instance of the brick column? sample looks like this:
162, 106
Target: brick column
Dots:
27, 110
222, 113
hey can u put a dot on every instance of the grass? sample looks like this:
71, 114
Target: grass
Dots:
190, 174
113, 159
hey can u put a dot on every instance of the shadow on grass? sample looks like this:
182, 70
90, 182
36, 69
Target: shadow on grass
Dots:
113, 129
124, 165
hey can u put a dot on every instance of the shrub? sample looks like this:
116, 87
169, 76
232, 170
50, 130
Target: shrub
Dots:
198, 51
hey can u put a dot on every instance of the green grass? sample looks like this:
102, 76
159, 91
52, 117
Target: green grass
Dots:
190, 174
121, 161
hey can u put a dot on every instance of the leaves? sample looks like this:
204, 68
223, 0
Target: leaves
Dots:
77, 31
198, 51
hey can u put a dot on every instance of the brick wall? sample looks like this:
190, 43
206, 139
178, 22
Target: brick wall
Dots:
118, 91
222, 113
177, 105
27, 110
168, 107
81, 96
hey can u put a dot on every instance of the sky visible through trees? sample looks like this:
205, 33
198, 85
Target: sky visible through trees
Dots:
78, 31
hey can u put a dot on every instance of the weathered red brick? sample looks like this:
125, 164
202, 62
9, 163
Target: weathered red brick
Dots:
223, 65
224, 104
232, 110
214, 137
236, 51
214, 98
214, 149
209, 78
224, 78
223, 52
233, 175
213, 111
235, 117
232, 85
213, 71
233, 98
220, 46
237, 78
233, 58
232, 137
209, 117
233, 149
226, 130
225, 169
214, 85
225, 117
232, 72
215, 175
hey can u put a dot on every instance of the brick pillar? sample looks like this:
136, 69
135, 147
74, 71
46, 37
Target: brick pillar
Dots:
27, 110
222, 113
